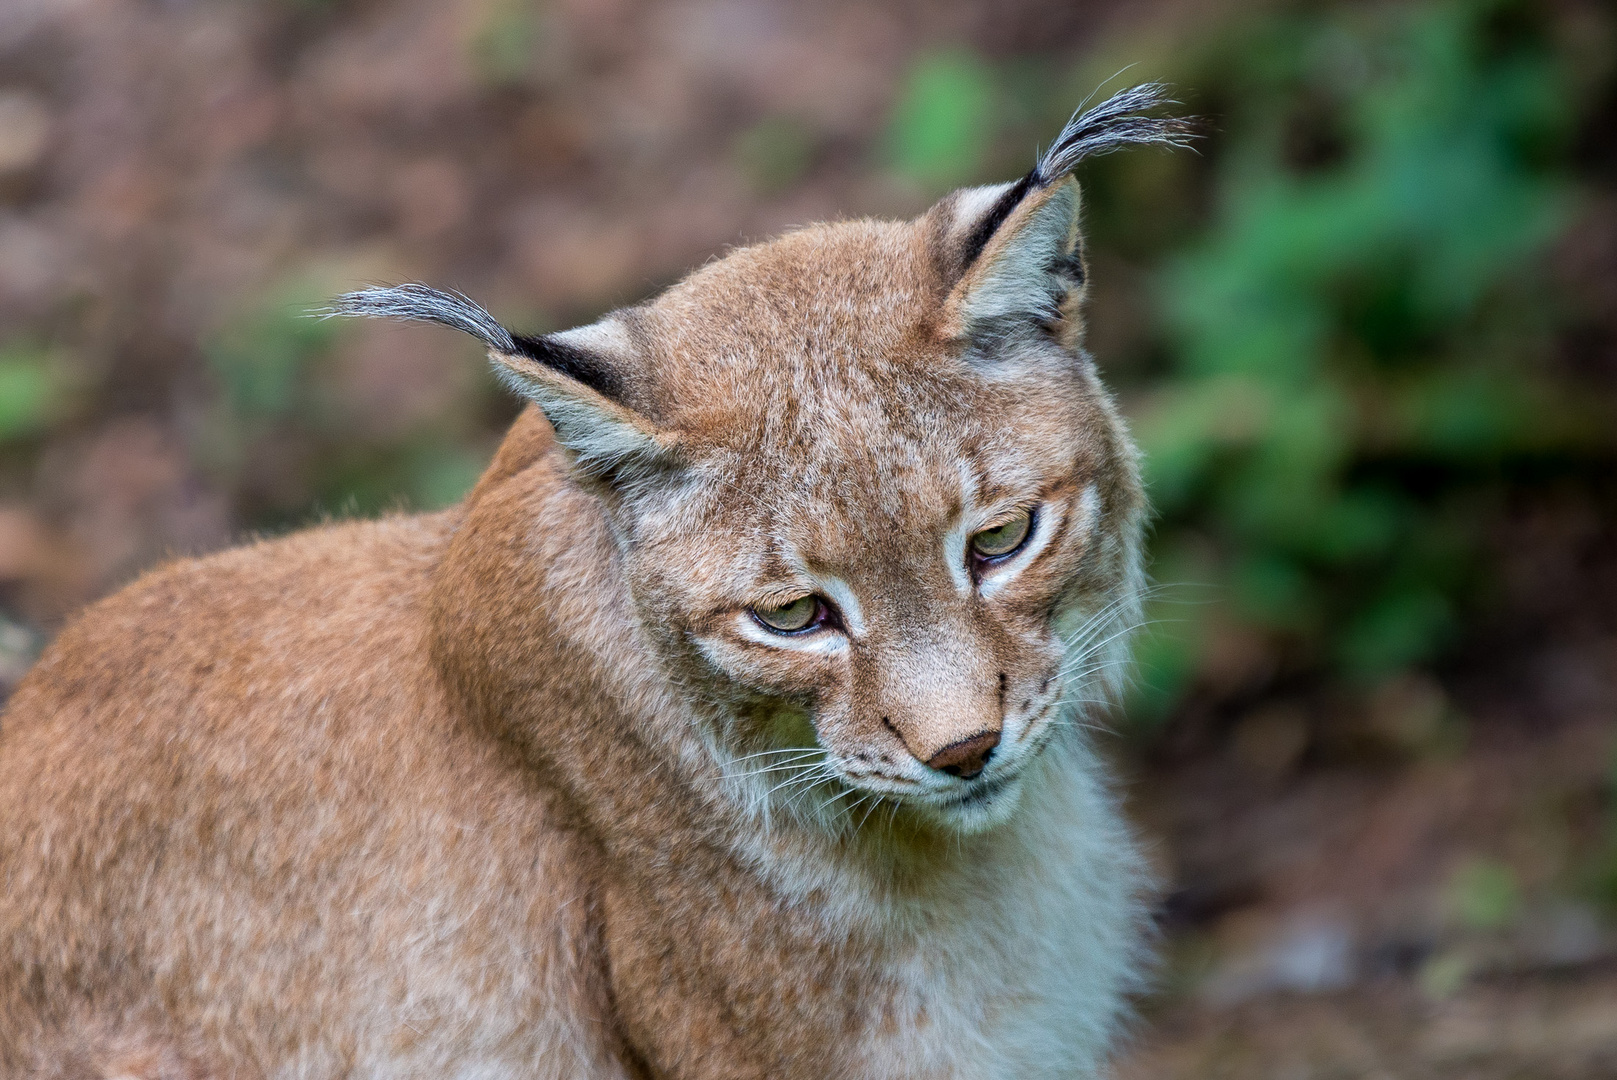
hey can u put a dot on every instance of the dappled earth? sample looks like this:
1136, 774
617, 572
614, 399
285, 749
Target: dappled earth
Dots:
1529, 1029
1367, 338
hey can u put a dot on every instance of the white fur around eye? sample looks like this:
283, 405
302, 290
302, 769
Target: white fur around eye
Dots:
819, 641
1048, 523
841, 594
834, 589
996, 576
954, 554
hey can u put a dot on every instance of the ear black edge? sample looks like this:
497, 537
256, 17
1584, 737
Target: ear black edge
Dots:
1119, 122
985, 229
578, 364
421, 303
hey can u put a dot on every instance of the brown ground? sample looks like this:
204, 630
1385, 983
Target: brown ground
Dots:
170, 172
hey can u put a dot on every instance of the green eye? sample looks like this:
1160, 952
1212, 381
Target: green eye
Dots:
800, 614
1003, 539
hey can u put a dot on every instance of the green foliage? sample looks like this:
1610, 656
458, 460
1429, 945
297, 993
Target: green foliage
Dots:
1365, 306
1446, 974
1483, 895
263, 360
425, 474
775, 153
940, 128
502, 49
28, 394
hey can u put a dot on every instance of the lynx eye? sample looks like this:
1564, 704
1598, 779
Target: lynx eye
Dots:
1003, 539
804, 613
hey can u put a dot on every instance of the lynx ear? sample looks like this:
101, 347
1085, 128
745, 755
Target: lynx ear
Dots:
1013, 251
576, 378
1028, 270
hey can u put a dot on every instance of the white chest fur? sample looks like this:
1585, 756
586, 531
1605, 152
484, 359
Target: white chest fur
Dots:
1017, 968
1021, 969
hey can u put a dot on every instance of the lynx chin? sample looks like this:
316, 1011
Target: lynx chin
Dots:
732, 727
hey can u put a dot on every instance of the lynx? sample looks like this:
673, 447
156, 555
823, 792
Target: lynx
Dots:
732, 727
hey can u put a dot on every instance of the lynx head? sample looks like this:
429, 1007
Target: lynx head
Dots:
874, 507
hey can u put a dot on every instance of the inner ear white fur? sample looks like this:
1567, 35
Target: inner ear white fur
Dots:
969, 207
609, 339
1017, 276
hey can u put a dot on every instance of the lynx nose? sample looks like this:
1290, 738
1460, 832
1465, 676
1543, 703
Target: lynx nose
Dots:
967, 757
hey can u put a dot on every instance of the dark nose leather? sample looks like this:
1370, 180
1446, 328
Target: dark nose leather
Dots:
967, 757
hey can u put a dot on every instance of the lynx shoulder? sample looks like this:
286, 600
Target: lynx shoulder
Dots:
731, 727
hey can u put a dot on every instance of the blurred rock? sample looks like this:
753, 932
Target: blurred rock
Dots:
1564, 934
1305, 952
25, 129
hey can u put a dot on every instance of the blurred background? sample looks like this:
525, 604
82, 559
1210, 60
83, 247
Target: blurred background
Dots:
1367, 338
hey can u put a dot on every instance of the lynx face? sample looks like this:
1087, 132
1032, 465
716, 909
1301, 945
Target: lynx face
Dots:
874, 508
878, 527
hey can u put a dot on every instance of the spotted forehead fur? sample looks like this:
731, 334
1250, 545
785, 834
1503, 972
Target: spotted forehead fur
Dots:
820, 329
824, 349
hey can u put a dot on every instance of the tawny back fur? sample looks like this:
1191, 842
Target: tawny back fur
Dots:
538, 786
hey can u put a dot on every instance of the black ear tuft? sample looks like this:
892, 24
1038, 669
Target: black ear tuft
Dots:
423, 304
1115, 124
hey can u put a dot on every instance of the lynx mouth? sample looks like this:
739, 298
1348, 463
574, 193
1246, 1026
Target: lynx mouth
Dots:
983, 792
984, 805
